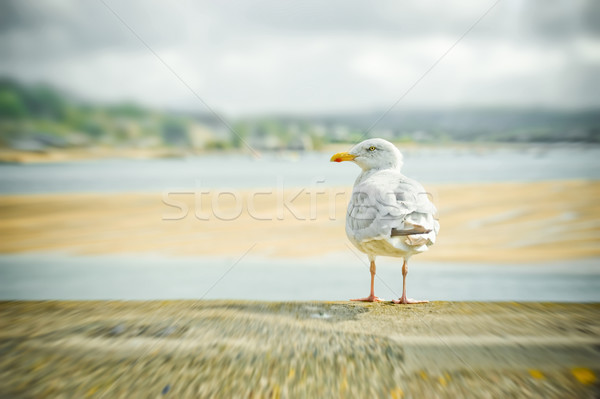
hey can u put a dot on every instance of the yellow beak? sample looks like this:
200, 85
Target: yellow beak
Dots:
342, 156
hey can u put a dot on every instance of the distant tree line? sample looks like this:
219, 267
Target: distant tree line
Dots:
37, 115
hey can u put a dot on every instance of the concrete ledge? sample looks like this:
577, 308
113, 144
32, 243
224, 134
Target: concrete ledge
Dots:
230, 349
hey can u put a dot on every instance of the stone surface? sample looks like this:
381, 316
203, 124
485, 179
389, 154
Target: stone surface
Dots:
192, 349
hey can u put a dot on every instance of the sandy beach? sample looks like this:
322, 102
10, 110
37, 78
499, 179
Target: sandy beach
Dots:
503, 222
79, 154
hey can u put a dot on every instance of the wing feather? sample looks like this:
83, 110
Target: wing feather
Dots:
387, 201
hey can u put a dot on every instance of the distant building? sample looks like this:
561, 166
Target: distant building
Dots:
301, 142
200, 135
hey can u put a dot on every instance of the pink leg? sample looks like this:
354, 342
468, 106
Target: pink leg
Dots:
371, 297
404, 299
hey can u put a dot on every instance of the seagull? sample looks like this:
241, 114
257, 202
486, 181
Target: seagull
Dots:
388, 214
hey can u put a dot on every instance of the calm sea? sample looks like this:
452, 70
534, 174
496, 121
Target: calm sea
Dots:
333, 277
437, 165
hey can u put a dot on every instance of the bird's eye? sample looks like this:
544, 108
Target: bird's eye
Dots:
372, 148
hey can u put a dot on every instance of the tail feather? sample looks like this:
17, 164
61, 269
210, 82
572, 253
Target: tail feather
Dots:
416, 230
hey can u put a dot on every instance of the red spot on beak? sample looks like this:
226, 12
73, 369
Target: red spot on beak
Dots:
341, 157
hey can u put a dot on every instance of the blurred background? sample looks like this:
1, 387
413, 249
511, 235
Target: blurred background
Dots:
297, 75
108, 108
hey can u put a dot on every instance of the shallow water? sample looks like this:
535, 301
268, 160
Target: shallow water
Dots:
333, 277
435, 165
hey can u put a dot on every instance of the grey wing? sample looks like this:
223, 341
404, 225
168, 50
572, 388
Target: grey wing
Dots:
381, 209
421, 212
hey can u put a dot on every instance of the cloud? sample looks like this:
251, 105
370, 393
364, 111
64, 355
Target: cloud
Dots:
308, 56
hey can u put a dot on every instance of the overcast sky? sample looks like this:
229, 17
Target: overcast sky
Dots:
245, 57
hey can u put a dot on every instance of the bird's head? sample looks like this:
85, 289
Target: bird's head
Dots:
372, 154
